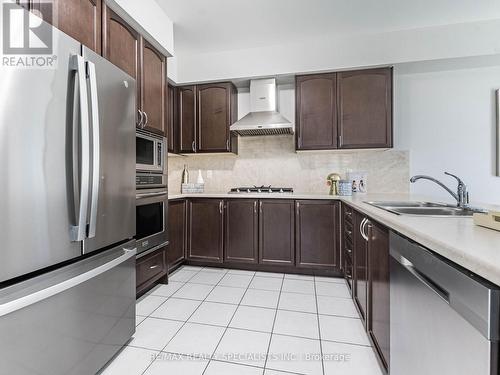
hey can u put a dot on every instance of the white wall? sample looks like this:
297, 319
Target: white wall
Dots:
446, 119
327, 53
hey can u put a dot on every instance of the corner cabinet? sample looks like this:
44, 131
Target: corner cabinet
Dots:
365, 108
205, 230
316, 111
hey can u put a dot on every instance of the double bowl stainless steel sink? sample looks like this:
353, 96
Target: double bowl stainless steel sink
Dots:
425, 209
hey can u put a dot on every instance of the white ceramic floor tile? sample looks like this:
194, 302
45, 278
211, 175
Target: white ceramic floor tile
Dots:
241, 272
182, 275
240, 281
176, 309
245, 347
332, 290
261, 298
139, 319
225, 368
225, 294
269, 274
299, 277
155, 333
196, 340
349, 359
296, 324
298, 286
253, 318
147, 304
347, 330
295, 354
130, 361
266, 283
166, 290
191, 268
193, 291
337, 306
218, 314
325, 279
274, 372
298, 302
209, 278
172, 364
215, 270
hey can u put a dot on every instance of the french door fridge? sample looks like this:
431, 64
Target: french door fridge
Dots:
67, 212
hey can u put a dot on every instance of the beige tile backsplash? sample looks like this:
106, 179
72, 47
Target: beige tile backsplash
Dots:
272, 160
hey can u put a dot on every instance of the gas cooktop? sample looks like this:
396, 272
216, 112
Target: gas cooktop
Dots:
261, 189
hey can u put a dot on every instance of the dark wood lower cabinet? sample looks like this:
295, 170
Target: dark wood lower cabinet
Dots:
150, 269
176, 233
241, 231
360, 266
277, 232
379, 291
205, 230
316, 234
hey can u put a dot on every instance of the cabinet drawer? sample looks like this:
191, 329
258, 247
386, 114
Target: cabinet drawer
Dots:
150, 266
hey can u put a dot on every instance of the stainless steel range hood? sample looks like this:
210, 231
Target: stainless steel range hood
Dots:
263, 119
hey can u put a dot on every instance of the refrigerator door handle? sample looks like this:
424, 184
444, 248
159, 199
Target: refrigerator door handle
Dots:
78, 232
42, 294
94, 102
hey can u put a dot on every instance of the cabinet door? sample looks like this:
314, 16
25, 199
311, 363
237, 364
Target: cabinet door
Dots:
186, 118
277, 232
379, 296
176, 232
214, 117
121, 46
241, 245
153, 88
360, 266
205, 229
316, 111
365, 108
317, 234
80, 19
170, 120
149, 269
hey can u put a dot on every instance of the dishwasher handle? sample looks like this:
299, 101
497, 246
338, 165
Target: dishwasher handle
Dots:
428, 282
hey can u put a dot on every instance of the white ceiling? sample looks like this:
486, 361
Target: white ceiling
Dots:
219, 25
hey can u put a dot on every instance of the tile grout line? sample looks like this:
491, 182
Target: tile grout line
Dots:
274, 322
229, 323
175, 334
319, 327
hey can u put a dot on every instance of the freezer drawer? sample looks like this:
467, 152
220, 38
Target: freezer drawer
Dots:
70, 321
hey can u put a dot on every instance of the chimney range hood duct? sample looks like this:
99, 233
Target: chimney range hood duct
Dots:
263, 119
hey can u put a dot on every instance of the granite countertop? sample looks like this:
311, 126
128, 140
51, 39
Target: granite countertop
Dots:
456, 238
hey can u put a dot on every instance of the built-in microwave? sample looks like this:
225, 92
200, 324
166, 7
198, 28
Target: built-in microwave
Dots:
151, 218
149, 152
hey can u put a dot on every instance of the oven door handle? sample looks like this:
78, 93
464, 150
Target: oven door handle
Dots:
149, 195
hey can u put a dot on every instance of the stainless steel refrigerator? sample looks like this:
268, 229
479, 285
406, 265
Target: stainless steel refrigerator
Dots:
67, 213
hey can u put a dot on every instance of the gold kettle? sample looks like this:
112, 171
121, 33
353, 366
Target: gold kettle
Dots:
333, 181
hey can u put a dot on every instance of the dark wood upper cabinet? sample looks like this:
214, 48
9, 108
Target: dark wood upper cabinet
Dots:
317, 227
365, 108
186, 118
316, 111
80, 19
379, 290
176, 232
153, 88
277, 232
360, 266
215, 103
205, 230
242, 231
170, 120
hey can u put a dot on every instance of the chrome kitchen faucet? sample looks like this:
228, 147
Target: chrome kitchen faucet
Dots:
461, 196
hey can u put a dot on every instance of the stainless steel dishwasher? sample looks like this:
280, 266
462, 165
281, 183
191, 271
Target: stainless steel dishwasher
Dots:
444, 319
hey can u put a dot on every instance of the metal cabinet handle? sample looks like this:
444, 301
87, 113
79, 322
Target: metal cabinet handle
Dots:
193, 146
260, 206
254, 207
141, 118
297, 207
227, 144
146, 119
220, 207
362, 228
153, 267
